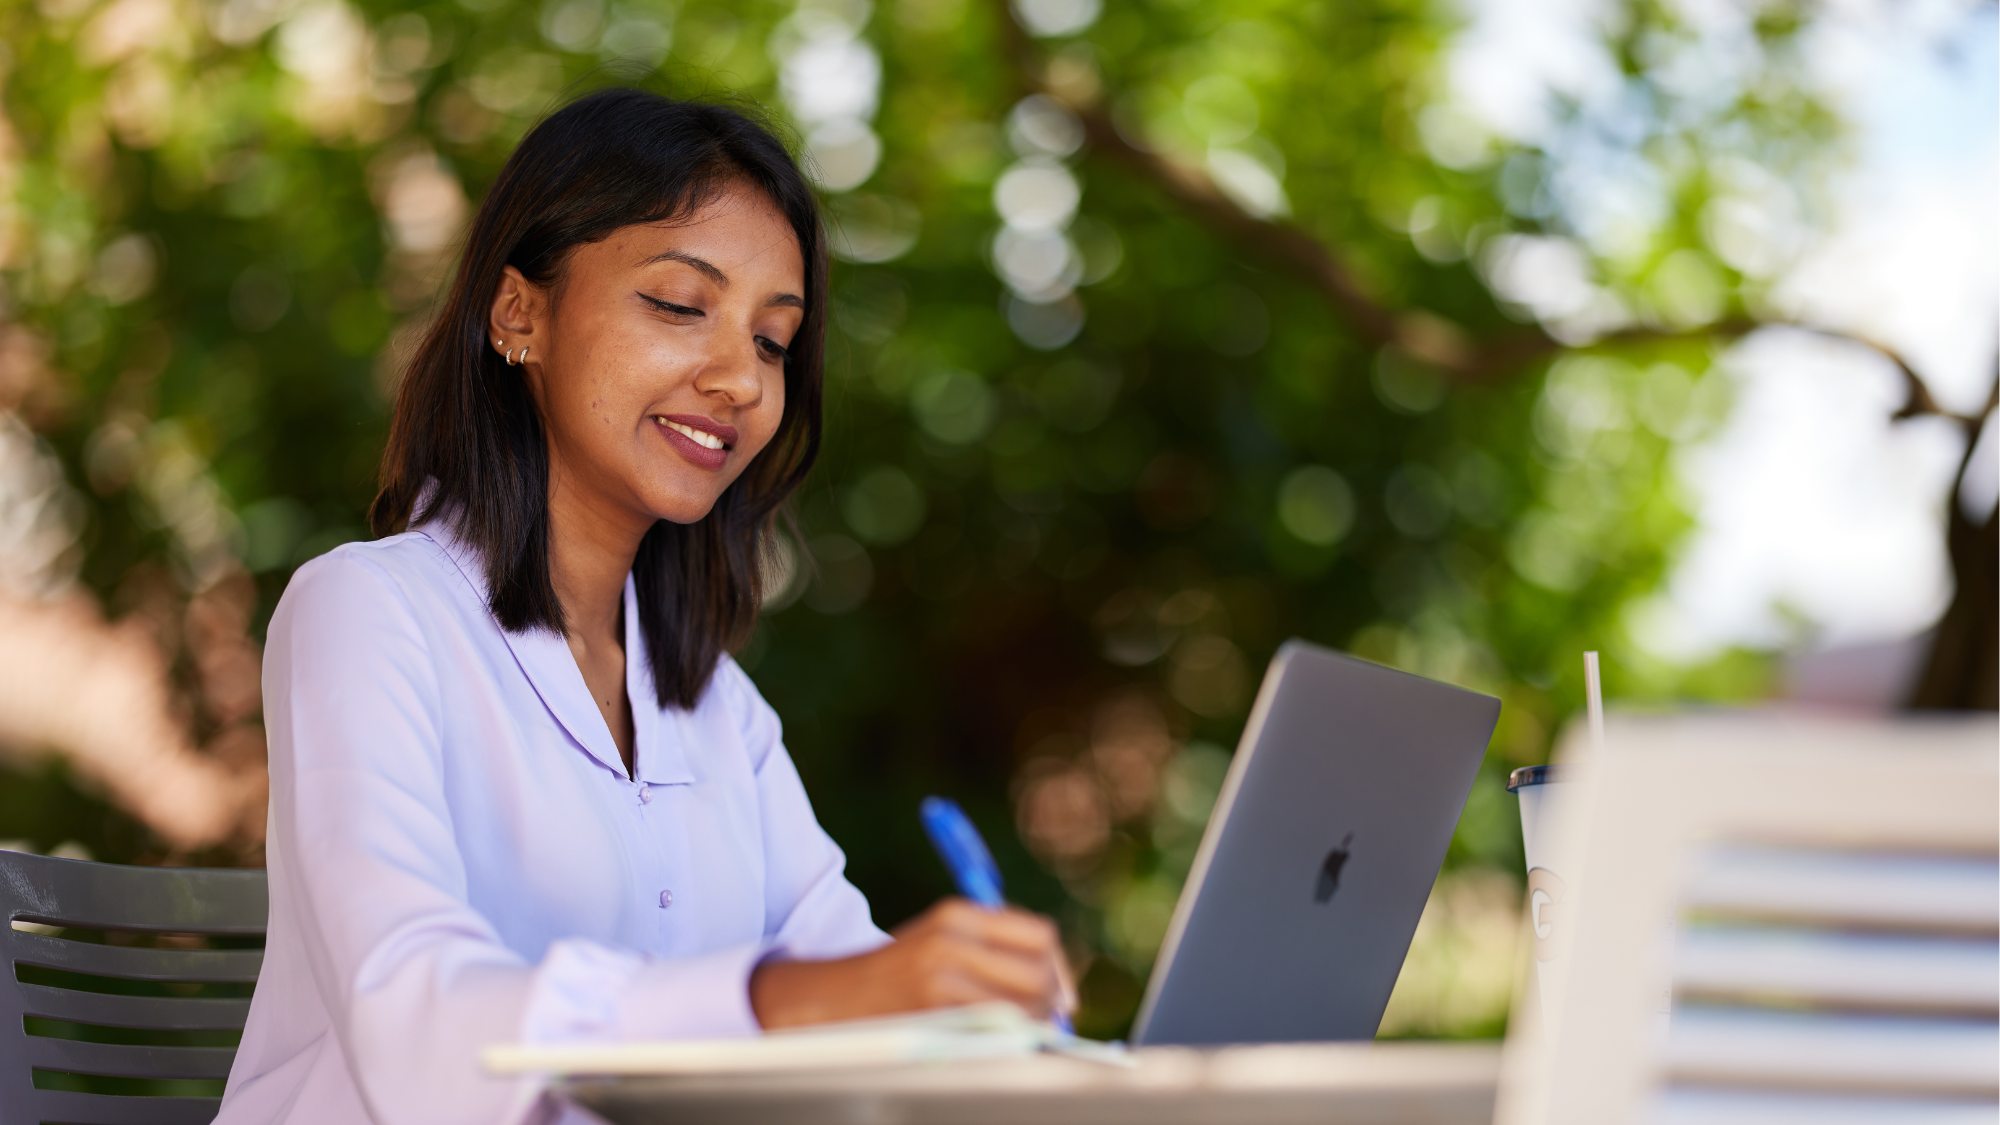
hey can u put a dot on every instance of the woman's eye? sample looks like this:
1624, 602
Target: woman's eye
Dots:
772, 351
669, 306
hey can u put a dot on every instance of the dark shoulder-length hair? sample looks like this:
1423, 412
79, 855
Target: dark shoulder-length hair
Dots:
467, 445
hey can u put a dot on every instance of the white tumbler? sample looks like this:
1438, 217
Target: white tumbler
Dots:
1548, 912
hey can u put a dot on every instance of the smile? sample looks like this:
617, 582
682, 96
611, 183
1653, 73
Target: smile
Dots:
706, 441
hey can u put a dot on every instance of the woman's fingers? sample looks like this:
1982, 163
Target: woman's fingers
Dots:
954, 953
1006, 975
1066, 997
1006, 927
968, 953
958, 985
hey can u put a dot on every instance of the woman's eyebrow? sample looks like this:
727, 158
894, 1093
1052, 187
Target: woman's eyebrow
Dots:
707, 269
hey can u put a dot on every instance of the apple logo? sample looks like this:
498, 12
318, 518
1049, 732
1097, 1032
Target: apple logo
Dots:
1329, 871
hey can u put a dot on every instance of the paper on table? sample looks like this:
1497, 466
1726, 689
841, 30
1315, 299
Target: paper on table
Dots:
975, 1031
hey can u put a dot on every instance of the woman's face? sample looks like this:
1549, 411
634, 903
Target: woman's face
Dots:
659, 360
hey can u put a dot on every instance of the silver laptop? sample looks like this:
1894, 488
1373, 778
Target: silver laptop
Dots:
1322, 849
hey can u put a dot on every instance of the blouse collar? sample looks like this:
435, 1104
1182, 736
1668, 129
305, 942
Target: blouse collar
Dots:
658, 735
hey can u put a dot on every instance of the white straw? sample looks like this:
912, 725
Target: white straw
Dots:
1593, 701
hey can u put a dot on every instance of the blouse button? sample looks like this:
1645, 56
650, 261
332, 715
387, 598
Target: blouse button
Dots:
645, 794
666, 899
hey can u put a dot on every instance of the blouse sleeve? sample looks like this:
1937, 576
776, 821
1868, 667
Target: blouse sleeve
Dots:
811, 911
364, 858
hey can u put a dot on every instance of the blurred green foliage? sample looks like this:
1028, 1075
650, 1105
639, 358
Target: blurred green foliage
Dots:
1053, 540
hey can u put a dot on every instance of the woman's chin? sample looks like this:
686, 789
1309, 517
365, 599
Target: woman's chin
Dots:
681, 508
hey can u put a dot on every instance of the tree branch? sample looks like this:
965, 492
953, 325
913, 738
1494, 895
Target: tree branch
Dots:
1917, 400
1194, 190
1963, 665
1424, 334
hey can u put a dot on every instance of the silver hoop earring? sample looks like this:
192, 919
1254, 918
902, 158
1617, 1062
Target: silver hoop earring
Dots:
510, 359
524, 353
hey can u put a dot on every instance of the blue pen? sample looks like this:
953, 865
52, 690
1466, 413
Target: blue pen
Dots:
964, 854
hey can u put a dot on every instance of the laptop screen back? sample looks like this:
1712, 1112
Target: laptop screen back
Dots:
1320, 854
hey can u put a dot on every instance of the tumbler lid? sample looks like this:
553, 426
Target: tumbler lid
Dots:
1532, 775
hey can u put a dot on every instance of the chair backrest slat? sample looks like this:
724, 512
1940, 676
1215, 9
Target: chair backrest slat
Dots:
123, 1060
1771, 917
158, 1013
106, 896
119, 900
135, 963
111, 1109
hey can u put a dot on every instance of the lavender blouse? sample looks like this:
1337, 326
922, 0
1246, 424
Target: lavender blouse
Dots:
458, 856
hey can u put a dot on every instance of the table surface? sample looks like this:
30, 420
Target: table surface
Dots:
1288, 1084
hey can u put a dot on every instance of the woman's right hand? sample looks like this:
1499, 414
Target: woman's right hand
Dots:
953, 953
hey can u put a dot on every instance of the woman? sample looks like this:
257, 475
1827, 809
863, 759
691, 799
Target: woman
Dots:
519, 791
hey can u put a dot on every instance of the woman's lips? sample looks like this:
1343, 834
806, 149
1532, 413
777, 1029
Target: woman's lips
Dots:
699, 440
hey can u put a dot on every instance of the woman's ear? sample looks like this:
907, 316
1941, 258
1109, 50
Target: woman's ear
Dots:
518, 319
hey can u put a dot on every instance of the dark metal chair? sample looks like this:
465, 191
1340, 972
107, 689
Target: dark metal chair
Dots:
79, 982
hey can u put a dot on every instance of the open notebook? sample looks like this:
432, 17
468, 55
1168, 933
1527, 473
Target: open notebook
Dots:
977, 1031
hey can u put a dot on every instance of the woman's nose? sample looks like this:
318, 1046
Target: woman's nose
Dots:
733, 372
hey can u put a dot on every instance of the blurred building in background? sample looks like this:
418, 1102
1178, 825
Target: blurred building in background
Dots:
1461, 338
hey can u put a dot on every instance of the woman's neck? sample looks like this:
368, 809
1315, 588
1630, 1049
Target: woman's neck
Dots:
591, 548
